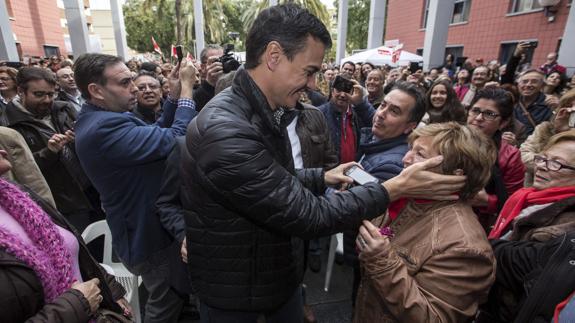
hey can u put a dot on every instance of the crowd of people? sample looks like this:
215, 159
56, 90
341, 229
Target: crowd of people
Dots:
224, 185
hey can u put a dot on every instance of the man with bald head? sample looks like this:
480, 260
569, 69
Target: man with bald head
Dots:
68, 90
551, 65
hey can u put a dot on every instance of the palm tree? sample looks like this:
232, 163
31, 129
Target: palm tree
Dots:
314, 6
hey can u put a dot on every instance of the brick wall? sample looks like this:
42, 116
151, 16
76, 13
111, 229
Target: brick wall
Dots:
486, 27
37, 23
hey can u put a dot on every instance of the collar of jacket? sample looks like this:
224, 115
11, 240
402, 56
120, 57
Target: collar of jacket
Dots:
334, 110
368, 146
257, 100
16, 112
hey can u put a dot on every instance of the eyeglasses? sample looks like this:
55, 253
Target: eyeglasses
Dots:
487, 115
4, 79
142, 87
551, 164
42, 94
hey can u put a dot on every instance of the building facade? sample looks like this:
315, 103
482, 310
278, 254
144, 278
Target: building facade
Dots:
483, 29
36, 27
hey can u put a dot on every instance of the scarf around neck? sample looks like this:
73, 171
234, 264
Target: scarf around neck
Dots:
523, 198
48, 256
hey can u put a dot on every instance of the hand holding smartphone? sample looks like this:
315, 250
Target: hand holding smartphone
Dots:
360, 176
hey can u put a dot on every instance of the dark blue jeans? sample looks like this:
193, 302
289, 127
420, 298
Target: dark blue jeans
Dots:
290, 312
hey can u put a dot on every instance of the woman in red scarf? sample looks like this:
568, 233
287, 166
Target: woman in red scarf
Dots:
46, 271
547, 209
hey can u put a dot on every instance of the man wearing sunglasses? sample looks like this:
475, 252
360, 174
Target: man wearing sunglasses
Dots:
48, 128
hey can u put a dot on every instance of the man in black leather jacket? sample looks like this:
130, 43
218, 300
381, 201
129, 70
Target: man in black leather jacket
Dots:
247, 208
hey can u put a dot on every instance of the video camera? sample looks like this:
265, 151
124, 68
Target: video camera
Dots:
229, 63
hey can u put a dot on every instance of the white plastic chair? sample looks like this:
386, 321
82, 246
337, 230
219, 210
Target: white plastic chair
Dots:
128, 280
335, 245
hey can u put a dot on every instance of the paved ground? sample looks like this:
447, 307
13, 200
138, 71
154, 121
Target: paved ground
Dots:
329, 307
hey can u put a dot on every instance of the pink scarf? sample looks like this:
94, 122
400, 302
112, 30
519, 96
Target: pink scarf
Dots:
48, 257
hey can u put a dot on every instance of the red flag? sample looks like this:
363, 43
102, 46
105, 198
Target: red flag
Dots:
189, 57
174, 52
156, 46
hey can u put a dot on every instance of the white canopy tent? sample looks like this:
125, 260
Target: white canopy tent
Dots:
382, 55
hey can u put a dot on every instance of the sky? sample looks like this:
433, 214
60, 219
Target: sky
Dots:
328, 3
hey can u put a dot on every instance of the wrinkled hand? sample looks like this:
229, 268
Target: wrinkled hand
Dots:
184, 251
509, 137
125, 307
521, 49
174, 82
561, 122
481, 199
418, 181
70, 135
215, 70
91, 292
370, 242
187, 79
57, 142
356, 97
336, 175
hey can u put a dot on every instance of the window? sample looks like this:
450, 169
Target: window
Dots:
516, 6
506, 51
460, 12
51, 50
455, 51
419, 51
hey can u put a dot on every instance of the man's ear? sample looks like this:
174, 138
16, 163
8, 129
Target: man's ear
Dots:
272, 55
21, 92
96, 91
410, 127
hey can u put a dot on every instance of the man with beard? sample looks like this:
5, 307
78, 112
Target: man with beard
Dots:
68, 89
479, 77
149, 107
374, 87
48, 128
125, 159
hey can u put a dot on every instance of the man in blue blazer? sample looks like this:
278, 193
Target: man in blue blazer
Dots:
125, 159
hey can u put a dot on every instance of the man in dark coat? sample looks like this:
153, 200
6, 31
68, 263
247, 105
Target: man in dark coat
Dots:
247, 208
48, 128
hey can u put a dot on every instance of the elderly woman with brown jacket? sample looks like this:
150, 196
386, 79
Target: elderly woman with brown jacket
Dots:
430, 261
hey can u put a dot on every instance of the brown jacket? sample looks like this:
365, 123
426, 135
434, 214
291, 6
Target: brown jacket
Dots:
439, 269
24, 171
316, 146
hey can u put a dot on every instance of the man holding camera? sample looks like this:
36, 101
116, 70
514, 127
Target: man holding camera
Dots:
346, 113
210, 72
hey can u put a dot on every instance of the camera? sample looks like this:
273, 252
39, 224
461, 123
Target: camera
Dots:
342, 84
229, 63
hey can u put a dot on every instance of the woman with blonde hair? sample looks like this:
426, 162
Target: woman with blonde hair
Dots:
428, 260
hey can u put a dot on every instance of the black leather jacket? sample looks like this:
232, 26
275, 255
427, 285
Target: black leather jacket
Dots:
247, 208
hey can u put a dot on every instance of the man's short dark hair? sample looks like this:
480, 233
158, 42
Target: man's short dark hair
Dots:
27, 74
290, 25
89, 68
349, 63
149, 66
418, 111
204, 53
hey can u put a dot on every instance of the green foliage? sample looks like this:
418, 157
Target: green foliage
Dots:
357, 24
142, 23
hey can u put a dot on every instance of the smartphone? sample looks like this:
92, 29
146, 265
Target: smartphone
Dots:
572, 120
414, 66
180, 53
360, 176
342, 84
